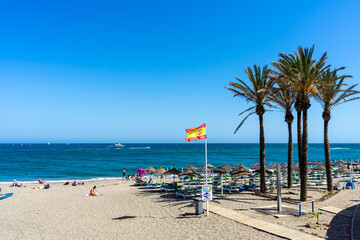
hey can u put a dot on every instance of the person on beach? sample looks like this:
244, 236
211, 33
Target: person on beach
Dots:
93, 192
124, 174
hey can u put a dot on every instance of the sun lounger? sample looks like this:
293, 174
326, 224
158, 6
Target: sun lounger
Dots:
231, 187
188, 193
168, 187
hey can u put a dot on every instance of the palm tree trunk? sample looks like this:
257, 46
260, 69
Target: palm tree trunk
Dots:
299, 135
290, 155
327, 151
304, 156
262, 155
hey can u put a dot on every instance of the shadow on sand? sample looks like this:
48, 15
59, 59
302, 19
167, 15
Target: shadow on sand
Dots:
341, 224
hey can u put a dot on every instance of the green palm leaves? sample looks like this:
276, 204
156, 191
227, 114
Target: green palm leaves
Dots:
257, 93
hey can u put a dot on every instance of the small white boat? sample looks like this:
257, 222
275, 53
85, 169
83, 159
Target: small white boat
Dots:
119, 145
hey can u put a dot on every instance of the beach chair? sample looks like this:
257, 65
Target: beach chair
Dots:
188, 193
231, 187
168, 187
138, 183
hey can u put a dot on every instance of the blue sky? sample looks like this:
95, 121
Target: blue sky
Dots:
143, 71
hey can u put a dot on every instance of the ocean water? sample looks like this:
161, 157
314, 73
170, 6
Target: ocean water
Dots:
25, 162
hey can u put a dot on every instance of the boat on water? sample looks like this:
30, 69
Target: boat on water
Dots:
119, 145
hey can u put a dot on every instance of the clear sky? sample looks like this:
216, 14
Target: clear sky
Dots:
143, 71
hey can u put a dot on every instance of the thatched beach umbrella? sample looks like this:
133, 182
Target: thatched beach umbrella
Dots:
160, 171
191, 167
254, 164
345, 171
203, 168
257, 169
318, 168
173, 171
241, 165
150, 169
352, 163
222, 170
284, 164
189, 173
314, 163
272, 166
341, 161
226, 166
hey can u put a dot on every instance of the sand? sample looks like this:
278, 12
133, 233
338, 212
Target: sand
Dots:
124, 211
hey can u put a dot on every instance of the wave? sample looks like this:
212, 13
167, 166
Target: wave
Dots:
139, 148
340, 148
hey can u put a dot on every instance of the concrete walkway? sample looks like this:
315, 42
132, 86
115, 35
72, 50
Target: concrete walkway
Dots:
261, 225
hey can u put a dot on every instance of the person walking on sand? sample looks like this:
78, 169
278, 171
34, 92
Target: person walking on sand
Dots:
124, 174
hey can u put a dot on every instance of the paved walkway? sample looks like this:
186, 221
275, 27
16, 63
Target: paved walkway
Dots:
261, 225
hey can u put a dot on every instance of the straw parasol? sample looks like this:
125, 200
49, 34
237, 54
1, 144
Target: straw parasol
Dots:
160, 171
345, 171
191, 167
226, 166
352, 163
339, 164
241, 172
318, 168
150, 169
210, 166
341, 161
189, 173
284, 164
221, 170
203, 168
241, 165
272, 166
173, 171
254, 164
257, 169
314, 163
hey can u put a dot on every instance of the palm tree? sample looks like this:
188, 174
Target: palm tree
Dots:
303, 72
257, 93
330, 94
284, 99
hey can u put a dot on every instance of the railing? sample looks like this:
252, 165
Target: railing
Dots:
312, 203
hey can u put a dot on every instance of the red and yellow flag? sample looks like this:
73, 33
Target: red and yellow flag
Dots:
196, 133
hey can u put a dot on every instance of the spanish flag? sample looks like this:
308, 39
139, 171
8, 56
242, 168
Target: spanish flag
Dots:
196, 133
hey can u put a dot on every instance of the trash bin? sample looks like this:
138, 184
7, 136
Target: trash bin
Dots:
199, 209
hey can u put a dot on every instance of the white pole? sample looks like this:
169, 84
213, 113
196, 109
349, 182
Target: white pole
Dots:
206, 172
222, 187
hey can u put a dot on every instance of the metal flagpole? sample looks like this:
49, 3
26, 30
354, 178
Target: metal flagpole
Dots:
206, 173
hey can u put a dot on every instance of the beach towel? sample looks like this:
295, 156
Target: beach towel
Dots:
88, 195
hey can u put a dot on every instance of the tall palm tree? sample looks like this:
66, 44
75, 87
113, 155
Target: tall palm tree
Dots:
303, 72
284, 99
330, 93
257, 93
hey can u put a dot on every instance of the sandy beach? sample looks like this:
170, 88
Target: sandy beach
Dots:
127, 211
124, 211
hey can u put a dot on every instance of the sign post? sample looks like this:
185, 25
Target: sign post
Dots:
206, 195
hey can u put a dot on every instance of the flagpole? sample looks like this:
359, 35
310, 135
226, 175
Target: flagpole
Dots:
206, 173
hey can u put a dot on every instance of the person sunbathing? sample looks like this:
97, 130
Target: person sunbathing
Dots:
42, 182
93, 192
16, 184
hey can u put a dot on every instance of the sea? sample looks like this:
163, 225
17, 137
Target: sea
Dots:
66, 162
